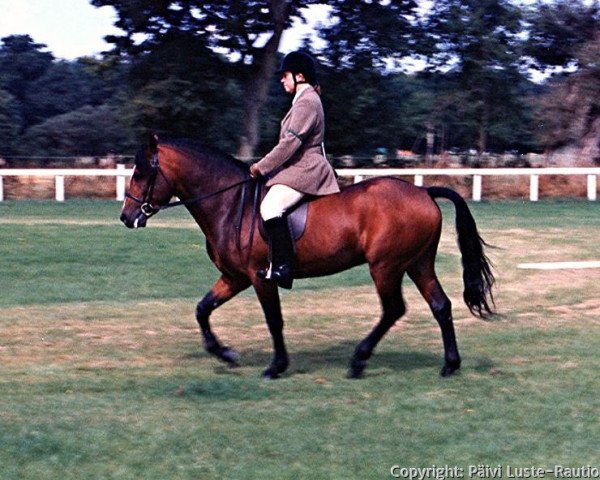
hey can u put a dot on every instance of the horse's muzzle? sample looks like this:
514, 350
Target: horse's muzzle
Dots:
138, 221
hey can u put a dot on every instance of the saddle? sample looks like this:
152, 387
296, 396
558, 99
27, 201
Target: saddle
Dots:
296, 220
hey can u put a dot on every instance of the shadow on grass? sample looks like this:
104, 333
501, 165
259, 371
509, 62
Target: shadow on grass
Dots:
311, 361
337, 356
244, 385
307, 368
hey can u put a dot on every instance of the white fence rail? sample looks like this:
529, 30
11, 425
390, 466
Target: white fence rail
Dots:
121, 174
478, 173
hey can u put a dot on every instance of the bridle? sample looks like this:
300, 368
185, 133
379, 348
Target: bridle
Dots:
149, 209
145, 202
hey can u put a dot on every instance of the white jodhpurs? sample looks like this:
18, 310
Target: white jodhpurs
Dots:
278, 200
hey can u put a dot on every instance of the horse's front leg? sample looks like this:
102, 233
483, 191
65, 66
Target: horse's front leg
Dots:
268, 296
222, 291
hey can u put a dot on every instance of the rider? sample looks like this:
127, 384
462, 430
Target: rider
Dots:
296, 166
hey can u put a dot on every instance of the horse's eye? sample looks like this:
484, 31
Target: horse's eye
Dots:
137, 175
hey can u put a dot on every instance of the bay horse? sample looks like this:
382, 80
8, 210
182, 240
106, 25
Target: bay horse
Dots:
390, 224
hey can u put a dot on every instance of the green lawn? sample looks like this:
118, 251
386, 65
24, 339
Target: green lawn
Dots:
103, 375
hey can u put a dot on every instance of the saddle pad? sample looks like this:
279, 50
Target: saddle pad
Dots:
296, 221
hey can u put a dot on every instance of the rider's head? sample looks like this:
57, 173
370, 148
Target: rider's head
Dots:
300, 68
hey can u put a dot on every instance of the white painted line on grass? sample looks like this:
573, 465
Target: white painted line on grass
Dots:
559, 265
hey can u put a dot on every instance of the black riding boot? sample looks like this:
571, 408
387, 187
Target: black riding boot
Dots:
281, 250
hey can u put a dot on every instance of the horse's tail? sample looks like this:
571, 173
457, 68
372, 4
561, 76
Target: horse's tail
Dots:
477, 270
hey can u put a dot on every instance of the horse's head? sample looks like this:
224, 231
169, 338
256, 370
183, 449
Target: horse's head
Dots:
149, 188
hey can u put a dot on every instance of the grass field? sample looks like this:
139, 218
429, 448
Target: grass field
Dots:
103, 376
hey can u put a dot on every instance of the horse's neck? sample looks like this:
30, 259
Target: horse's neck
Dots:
215, 207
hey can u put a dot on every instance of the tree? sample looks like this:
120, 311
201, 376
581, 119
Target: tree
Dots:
22, 61
63, 87
248, 34
236, 28
366, 110
369, 34
9, 123
565, 38
183, 89
88, 131
476, 43
569, 113
557, 30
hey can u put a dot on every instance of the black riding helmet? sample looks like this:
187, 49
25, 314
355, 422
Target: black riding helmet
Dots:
299, 62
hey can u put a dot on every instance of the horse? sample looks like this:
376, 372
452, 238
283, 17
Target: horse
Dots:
390, 224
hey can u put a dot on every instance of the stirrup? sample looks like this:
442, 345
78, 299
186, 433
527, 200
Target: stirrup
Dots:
277, 275
265, 273
283, 275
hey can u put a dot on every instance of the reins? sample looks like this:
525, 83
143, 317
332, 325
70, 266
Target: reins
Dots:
146, 205
148, 209
185, 202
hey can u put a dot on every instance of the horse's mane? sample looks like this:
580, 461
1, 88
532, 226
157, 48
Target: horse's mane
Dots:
140, 159
200, 151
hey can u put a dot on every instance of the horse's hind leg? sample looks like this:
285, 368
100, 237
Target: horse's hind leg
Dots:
223, 290
441, 307
389, 288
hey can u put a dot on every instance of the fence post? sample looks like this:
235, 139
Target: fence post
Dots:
358, 178
419, 180
591, 187
534, 187
1, 189
120, 184
59, 182
477, 188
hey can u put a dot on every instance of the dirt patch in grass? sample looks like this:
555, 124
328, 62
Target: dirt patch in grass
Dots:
162, 334
88, 336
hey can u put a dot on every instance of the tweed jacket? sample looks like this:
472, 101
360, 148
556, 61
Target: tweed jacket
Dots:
297, 160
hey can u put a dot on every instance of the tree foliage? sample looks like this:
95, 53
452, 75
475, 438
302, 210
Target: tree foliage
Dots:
86, 131
56, 107
567, 34
10, 122
236, 29
476, 44
569, 113
22, 61
63, 87
369, 34
557, 30
204, 69
249, 34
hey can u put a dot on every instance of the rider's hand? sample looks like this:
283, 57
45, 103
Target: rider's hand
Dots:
254, 172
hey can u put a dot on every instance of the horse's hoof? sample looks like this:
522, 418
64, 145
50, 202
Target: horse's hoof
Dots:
270, 374
225, 354
449, 368
229, 356
275, 369
356, 370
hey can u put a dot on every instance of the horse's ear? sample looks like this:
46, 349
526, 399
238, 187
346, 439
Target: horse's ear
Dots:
153, 142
